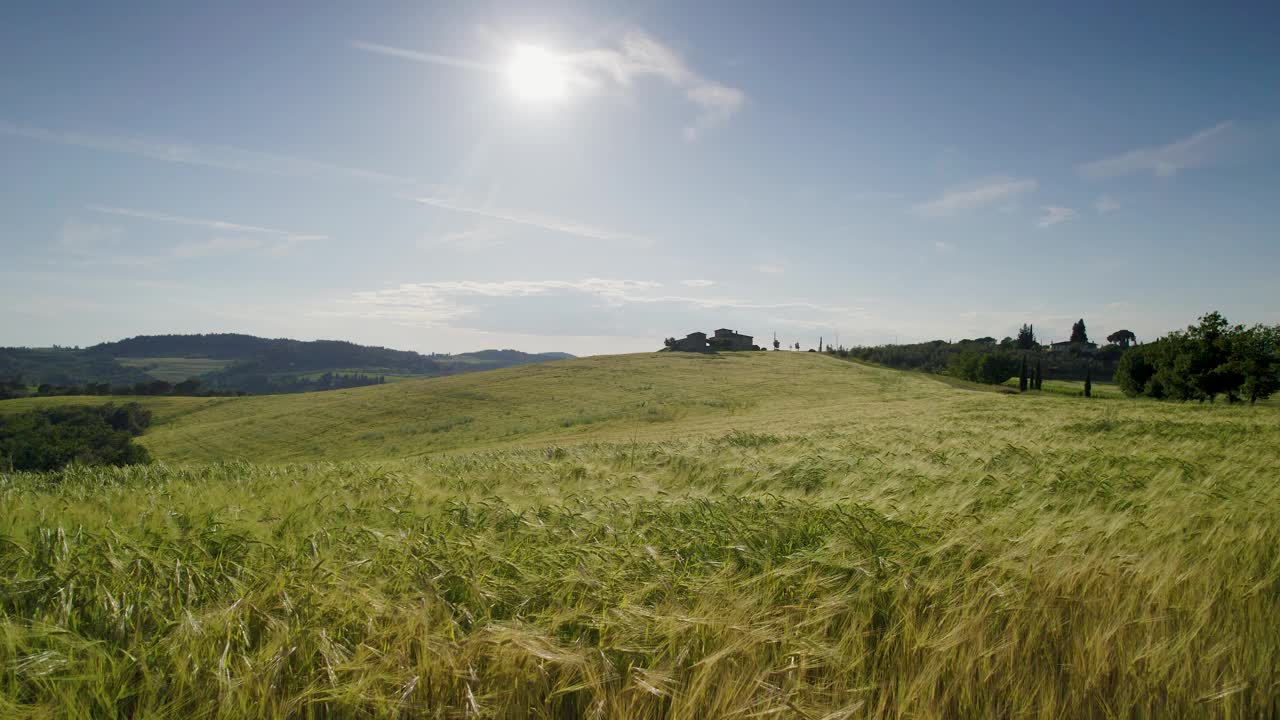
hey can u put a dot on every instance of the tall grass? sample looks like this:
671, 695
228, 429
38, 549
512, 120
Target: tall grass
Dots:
996, 557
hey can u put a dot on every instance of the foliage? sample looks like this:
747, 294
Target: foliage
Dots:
53, 438
1123, 338
1209, 359
1078, 332
991, 368
1027, 338
62, 366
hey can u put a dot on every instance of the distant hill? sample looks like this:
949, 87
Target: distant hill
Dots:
244, 363
64, 366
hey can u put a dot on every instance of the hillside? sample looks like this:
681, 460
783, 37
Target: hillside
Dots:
655, 535
244, 363
620, 398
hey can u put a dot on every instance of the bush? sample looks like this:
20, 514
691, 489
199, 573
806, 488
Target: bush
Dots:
51, 439
991, 368
1210, 359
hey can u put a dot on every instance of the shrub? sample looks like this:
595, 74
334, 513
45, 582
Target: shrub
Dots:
54, 438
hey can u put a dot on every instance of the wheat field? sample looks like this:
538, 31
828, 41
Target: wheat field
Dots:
654, 536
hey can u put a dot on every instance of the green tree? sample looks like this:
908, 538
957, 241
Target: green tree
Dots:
1123, 338
1256, 354
1026, 338
1136, 369
990, 368
1022, 375
1078, 333
1088, 381
1206, 359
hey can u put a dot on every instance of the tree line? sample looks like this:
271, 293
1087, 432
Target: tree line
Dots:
1209, 359
17, 387
263, 384
990, 361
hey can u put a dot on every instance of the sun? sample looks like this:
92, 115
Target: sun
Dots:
537, 74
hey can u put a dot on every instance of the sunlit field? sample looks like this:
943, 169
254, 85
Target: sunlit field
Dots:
665, 536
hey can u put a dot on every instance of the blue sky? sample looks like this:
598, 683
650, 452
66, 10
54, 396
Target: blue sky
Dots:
872, 172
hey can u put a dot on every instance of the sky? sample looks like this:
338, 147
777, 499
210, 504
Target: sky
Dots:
591, 177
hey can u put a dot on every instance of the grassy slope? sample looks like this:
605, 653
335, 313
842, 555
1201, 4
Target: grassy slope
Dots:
644, 396
658, 536
174, 369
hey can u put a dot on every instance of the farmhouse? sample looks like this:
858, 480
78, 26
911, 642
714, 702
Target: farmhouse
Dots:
1077, 347
693, 342
724, 339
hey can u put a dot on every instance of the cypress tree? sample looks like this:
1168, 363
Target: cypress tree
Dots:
1039, 375
1022, 376
1088, 380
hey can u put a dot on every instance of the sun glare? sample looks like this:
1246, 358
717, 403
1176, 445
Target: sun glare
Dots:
536, 74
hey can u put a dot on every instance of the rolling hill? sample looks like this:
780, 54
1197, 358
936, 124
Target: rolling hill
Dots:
243, 363
654, 535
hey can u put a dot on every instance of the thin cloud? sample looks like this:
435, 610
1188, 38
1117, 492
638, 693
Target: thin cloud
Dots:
402, 53
213, 156
591, 306
198, 222
984, 193
287, 241
944, 247
637, 56
474, 240
567, 227
1196, 150
79, 237
641, 56
1106, 204
698, 283
1054, 215
97, 244
215, 246
770, 269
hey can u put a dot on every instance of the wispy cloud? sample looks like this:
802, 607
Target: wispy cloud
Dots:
92, 243
1197, 150
286, 240
1054, 215
769, 269
1106, 204
198, 222
79, 237
212, 156
593, 306
637, 56
698, 283
446, 60
215, 246
473, 240
944, 247
991, 191
568, 227
875, 196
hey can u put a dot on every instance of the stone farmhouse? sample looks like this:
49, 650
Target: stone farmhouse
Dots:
724, 339
1076, 347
